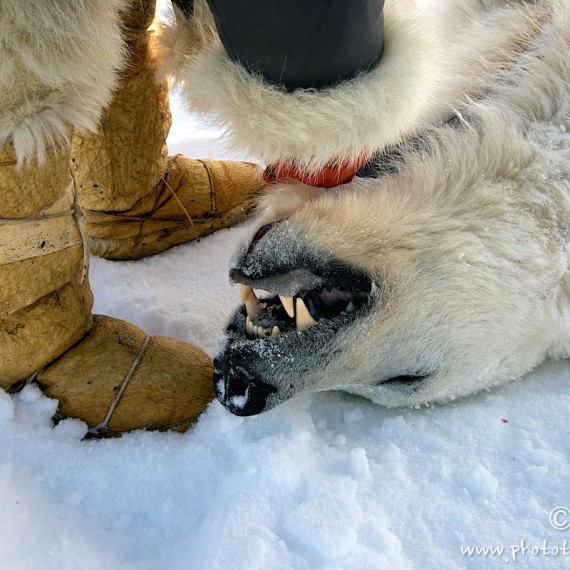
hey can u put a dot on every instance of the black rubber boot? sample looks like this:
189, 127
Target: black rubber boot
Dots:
300, 43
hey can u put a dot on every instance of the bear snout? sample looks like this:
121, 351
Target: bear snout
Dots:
238, 391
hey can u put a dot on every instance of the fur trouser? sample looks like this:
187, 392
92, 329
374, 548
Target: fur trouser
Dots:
419, 80
57, 71
58, 68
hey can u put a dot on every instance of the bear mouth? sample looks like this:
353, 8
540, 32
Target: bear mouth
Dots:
292, 306
302, 310
290, 322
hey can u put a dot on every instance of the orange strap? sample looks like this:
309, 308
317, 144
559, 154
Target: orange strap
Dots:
329, 177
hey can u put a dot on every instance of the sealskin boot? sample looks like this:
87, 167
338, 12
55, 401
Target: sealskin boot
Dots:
102, 370
137, 200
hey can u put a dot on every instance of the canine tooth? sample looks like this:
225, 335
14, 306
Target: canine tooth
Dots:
350, 307
303, 318
288, 304
252, 306
245, 291
275, 332
249, 325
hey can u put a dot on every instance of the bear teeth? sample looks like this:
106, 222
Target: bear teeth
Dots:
304, 312
295, 308
303, 319
253, 308
288, 305
252, 305
259, 331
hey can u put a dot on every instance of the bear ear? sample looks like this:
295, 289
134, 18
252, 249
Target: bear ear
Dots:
299, 44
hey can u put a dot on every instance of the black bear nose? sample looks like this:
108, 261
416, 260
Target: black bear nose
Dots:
238, 391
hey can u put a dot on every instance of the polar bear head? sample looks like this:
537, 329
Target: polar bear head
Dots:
425, 285
447, 272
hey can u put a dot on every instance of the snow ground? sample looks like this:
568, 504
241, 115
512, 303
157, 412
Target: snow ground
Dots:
325, 481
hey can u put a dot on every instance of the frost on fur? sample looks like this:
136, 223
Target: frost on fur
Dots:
57, 70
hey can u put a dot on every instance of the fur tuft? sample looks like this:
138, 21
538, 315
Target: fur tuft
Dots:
178, 38
57, 70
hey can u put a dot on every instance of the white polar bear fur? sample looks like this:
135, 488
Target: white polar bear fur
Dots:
471, 242
420, 80
58, 68
468, 243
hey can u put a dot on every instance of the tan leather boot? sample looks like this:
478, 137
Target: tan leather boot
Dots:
137, 200
102, 370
